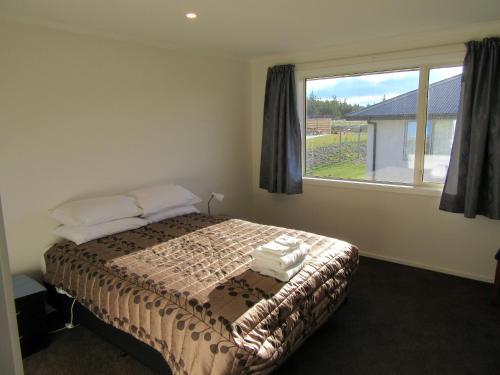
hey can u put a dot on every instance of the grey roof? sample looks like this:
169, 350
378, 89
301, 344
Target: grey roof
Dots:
444, 97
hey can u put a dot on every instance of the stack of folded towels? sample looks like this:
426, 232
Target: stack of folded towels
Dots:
281, 258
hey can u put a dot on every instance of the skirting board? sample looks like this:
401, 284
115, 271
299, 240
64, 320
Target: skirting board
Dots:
410, 263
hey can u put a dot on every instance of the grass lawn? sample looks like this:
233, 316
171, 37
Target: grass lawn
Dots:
351, 171
348, 166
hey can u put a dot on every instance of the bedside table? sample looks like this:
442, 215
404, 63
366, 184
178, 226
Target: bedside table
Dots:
30, 310
496, 285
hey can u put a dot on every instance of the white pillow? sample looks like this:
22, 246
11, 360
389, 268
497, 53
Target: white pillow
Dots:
170, 212
82, 234
160, 197
96, 210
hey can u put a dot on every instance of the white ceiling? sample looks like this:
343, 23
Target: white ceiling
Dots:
249, 28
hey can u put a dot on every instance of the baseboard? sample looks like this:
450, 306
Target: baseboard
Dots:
410, 263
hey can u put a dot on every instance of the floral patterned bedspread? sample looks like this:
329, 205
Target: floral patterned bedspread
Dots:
184, 287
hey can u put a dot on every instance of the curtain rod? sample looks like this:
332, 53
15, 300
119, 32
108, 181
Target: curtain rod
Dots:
443, 49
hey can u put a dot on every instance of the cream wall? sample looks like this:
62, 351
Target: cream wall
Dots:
82, 115
400, 227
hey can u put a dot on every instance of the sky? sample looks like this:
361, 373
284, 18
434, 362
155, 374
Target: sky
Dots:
369, 89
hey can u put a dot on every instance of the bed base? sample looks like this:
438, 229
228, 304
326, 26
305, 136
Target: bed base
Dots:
145, 354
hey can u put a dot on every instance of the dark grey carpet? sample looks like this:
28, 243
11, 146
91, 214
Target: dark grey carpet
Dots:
399, 320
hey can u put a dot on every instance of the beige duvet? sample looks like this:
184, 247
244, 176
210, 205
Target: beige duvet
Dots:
184, 287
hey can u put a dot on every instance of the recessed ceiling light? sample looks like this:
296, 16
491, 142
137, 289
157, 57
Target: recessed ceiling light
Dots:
191, 15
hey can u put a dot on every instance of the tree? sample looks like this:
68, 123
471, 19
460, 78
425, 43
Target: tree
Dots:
332, 108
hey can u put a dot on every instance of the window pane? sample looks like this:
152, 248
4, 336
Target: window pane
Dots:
410, 138
362, 127
442, 108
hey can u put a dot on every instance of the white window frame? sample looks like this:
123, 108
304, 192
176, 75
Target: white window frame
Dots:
424, 61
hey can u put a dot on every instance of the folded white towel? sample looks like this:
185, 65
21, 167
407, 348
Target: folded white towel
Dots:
281, 245
276, 249
264, 259
286, 240
282, 275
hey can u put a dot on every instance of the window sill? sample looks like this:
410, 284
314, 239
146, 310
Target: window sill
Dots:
375, 186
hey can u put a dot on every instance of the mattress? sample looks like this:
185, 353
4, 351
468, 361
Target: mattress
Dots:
184, 287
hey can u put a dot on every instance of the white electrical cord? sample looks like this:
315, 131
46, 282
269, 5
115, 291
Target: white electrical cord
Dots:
68, 325
57, 330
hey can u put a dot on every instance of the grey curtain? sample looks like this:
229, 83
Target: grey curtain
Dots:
280, 163
472, 185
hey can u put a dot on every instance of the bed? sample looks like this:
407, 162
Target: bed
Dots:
183, 287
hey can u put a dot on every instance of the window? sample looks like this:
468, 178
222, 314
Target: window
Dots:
411, 137
443, 98
366, 127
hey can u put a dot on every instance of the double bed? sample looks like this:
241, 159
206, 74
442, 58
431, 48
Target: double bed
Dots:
184, 287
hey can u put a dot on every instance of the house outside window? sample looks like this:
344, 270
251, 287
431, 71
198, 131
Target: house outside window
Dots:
364, 127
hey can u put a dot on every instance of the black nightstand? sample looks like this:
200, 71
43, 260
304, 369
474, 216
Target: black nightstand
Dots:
30, 311
496, 285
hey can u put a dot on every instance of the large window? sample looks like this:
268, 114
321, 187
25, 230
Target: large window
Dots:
367, 127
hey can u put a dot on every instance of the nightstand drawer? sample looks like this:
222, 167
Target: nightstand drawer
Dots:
35, 301
31, 321
30, 314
